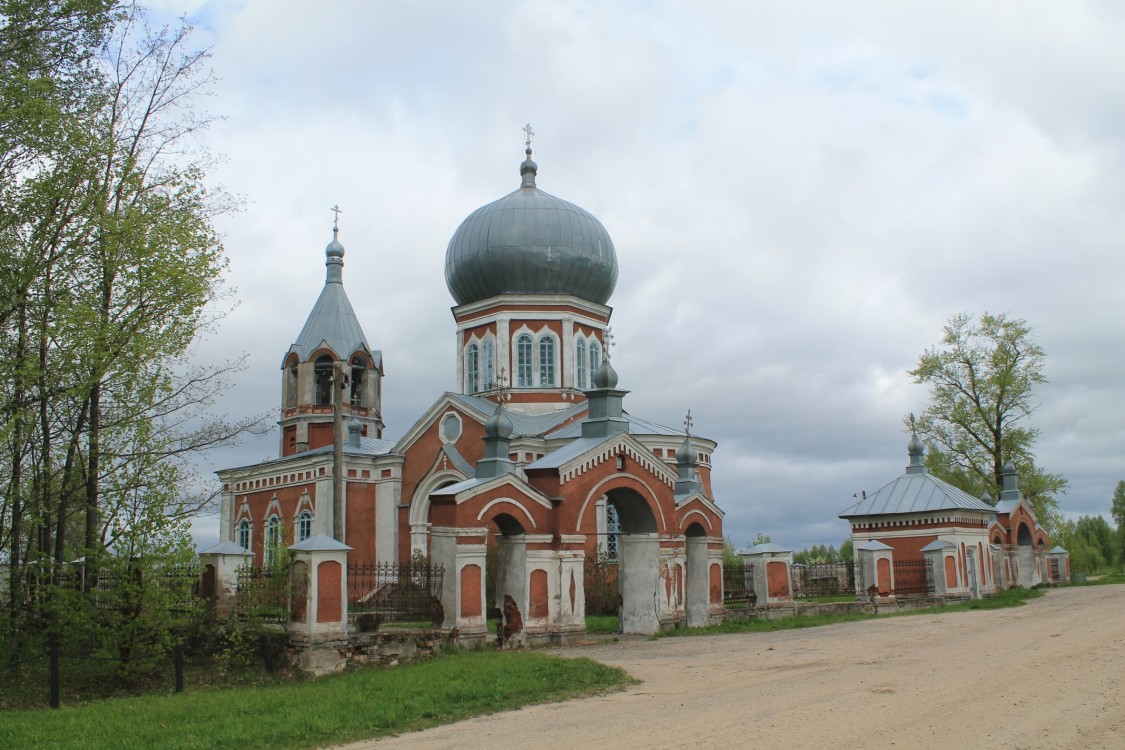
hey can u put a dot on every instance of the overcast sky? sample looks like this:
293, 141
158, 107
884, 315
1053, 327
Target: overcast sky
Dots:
800, 195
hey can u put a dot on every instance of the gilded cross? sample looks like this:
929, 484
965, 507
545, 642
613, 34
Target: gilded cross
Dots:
527, 129
336, 220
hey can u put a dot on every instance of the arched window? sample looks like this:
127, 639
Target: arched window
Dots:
273, 539
323, 371
472, 369
488, 366
523, 361
359, 372
595, 357
546, 361
244, 534
304, 526
580, 362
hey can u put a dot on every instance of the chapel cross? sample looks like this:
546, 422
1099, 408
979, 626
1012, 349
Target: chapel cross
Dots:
688, 423
607, 340
336, 220
913, 427
502, 394
527, 129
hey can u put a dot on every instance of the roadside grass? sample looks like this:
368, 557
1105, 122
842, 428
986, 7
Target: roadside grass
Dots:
357, 704
602, 624
1001, 600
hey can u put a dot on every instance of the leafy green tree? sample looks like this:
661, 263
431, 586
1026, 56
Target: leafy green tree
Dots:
1117, 510
108, 265
982, 378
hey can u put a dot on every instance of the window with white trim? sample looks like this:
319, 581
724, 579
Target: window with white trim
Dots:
244, 534
472, 368
524, 346
580, 364
546, 361
304, 526
488, 365
595, 358
273, 539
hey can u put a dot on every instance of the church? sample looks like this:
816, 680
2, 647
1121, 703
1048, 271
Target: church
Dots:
535, 455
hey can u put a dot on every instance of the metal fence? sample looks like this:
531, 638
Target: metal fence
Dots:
738, 584
388, 592
262, 593
824, 579
914, 577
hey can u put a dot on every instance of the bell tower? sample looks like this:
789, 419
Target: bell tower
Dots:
330, 364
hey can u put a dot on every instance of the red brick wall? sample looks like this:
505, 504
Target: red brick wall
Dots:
777, 579
329, 577
470, 591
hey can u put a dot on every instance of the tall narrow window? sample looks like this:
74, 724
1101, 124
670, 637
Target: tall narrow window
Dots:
244, 534
488, 366
472, 369
304, 526
595, 357
323, 370
273, 539
523, 361
580, 362
546, 361
359, 372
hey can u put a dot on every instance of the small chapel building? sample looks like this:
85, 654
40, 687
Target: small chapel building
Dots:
972, 547
534, 454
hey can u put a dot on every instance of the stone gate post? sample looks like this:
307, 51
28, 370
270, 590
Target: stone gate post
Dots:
318, 610
935, 554
220, 565
877, 562
772, 582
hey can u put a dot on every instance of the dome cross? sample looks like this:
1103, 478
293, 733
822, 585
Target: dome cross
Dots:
336, 219
529, 132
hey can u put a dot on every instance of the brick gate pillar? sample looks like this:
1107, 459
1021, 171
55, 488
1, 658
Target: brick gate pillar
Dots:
220, 574
318, 610
462, 552
936, 554
877, 563
773, 584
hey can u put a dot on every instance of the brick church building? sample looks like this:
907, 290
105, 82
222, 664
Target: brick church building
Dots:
535, 453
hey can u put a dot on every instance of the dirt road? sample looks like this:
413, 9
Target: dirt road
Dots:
1046, 675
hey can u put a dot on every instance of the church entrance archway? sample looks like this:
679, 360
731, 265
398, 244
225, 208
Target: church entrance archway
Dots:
507, 574
697, 600
638, 571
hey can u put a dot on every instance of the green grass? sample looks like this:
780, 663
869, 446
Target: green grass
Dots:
358, 704
602, 624
1001, 600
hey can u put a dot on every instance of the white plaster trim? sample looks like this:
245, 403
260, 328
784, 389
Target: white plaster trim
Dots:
597, 492
510, 501
631, 447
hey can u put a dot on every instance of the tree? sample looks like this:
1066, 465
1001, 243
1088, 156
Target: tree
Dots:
1117, 510
982, 380
108, 265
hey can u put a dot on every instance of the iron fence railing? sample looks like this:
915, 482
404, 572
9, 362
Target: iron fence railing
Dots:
262, 593
388, 592
914, 577
824, 579
738, 584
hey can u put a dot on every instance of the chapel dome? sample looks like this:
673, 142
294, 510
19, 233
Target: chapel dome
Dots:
530, 242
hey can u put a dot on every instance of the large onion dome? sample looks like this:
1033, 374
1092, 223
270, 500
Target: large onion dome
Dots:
530, 242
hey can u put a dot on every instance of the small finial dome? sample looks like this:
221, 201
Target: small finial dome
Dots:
685, 454
914, 447
334, 249
498, 425
355, 431
606, 376
1009, 467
